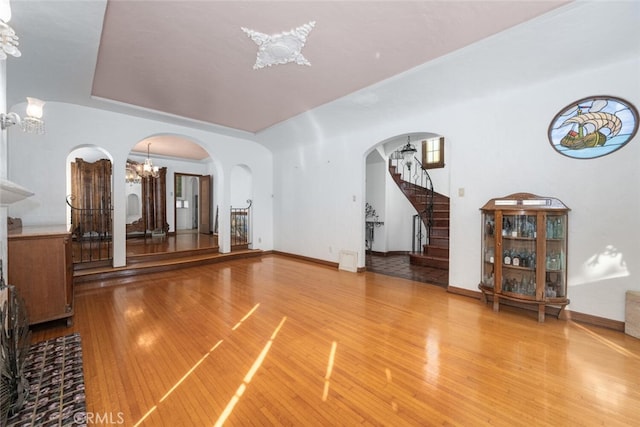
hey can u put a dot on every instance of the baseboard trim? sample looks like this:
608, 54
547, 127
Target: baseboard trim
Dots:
464, 292
307, 259
575, 316
590, 319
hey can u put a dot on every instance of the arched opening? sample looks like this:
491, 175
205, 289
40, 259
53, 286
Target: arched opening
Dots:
407, 208
172, 177
133, 207
175, 158
89, 204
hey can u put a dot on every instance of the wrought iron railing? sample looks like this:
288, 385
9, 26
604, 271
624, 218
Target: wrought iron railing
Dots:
241, 225
91, 230
417, 185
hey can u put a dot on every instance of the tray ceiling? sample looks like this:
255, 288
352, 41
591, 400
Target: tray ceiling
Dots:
192, 60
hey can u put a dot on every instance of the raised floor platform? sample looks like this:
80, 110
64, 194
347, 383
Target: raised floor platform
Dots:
151, 255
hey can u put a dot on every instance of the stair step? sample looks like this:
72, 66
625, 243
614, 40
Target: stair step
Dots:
436, 251
440, 222
439, 232
429, 261
197, 253
157, 263
439, 241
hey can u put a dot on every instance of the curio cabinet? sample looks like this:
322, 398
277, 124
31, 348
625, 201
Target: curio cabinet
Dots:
524, 253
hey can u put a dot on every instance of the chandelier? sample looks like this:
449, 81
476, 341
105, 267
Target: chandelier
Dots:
8, 38
147, 170
32, 122
407, 152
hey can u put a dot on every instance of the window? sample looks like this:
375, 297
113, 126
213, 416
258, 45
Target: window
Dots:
593, 127
433, 153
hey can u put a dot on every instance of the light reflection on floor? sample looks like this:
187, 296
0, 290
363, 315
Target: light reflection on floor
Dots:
327, 377
240, 390
247, 379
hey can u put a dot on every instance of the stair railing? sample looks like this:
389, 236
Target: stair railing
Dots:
241, 225
91, 233
415, 182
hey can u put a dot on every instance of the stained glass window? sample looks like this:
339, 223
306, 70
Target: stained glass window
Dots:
593, 127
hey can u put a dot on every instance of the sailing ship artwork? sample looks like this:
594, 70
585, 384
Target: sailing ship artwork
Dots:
593, 127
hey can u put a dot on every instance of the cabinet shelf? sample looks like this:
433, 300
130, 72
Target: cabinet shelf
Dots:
517, 267
530, 239
533, 228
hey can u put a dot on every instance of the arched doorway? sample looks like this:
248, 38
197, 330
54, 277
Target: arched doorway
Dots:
181, 159
406, 208
193, 203
89, 204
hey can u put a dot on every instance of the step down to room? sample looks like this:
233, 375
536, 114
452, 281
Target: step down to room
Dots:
153, 263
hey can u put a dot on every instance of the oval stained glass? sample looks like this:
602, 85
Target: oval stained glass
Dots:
593, 127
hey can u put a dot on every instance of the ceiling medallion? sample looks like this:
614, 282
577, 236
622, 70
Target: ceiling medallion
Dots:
280, 48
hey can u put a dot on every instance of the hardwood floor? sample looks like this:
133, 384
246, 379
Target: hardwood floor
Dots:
278, 341
172, 243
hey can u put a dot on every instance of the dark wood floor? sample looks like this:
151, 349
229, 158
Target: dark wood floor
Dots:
399, 266
278, 341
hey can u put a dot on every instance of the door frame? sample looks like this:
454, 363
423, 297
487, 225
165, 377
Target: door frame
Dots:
202, 209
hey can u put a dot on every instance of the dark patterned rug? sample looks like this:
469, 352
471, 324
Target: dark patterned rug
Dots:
53, 369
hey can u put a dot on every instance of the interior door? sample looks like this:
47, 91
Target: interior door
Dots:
204, 205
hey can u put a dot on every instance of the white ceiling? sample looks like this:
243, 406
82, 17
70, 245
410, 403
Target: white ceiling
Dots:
190, 63
192, 59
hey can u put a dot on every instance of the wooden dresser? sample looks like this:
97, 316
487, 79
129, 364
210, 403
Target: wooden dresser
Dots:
40, 266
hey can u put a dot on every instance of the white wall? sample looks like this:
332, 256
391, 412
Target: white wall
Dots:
399, 213
38, 162
377, 172
493, 102
242, 185
516, 156
497, 146
3, 175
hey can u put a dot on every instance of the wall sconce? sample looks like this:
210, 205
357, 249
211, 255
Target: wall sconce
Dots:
32, 123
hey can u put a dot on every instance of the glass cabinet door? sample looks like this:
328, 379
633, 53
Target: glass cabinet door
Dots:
488, 250
518, 255
524, 248
555, 262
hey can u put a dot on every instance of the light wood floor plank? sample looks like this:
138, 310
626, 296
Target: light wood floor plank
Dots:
178, 348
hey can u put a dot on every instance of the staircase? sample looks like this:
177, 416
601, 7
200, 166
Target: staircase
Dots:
435, 253
433, 209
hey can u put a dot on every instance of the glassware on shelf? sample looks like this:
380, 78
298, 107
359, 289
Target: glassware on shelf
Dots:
527, 236
506, 257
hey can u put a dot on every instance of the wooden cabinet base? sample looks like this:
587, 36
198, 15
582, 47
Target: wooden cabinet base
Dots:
543, 308
41, 268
